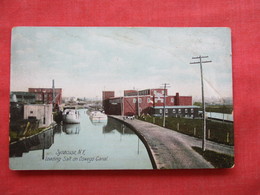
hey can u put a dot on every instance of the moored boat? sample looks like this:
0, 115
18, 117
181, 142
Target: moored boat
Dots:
71, 116
97, 116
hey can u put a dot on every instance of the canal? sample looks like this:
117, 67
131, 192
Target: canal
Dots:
87, 145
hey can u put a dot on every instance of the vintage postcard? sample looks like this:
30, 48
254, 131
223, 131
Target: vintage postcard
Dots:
85, 98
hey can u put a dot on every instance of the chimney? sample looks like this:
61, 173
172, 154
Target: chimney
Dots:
177, 99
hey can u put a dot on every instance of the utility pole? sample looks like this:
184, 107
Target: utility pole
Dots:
122, 103
138, 109
164, 101
202, 93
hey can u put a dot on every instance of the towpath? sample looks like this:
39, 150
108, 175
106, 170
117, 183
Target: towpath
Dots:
169, 149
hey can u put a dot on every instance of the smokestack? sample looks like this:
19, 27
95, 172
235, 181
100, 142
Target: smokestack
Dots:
53, 92
177, 99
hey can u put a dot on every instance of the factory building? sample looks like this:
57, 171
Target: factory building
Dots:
45, 95
176, 111
148, 101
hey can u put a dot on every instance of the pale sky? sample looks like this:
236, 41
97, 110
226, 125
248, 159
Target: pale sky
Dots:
84, 61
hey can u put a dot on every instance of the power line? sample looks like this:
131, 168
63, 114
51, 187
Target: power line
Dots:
200, 62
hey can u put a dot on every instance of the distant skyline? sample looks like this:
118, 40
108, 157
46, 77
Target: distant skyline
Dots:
84, 61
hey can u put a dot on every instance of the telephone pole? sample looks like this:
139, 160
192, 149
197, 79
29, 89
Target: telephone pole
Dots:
138, 108
164, 101
200, 62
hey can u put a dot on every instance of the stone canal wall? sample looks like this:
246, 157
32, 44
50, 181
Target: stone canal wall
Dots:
169, 149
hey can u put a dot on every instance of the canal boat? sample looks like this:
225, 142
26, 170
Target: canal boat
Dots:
97, 116
71, 116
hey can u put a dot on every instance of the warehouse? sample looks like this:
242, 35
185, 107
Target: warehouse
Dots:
45, 95
146, 101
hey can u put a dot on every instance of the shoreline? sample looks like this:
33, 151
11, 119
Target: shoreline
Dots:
169, 149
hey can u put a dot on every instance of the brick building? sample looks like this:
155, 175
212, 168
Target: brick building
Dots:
176, 111
45, 95
142, 102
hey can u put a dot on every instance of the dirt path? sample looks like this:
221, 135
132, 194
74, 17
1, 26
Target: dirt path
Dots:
170, 149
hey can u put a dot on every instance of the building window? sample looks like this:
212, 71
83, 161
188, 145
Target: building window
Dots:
160, 111
191, 116
179, 110
172, 100
186, 110
139, 100
134, 100
148, 100
191, 110
31, 112
173, 111
166, 110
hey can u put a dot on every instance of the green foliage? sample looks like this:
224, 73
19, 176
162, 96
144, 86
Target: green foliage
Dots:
197, 104
227, 109
216, 131
15, 136
218, 160
34, 131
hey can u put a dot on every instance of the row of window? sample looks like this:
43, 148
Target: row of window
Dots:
144, 92
140, 100
175, 110
149, 100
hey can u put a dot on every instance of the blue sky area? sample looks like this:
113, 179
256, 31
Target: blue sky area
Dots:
84, 61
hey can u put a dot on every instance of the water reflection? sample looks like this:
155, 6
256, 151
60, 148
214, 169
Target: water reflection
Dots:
99, 123
113, 125
71, 128
112, 141
38, 142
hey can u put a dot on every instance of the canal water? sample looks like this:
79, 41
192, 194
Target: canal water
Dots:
87, 145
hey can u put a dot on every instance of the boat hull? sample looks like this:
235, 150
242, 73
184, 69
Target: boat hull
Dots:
98, 117
71, 120
71, 117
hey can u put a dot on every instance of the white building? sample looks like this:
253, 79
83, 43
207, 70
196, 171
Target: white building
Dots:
42, 112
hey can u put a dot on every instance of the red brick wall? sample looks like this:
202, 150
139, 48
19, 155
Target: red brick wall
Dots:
107, 94
185, 100
39, 92
160, 90
130, 104
159, 101
130, 92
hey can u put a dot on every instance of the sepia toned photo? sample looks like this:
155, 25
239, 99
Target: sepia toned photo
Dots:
95, 98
